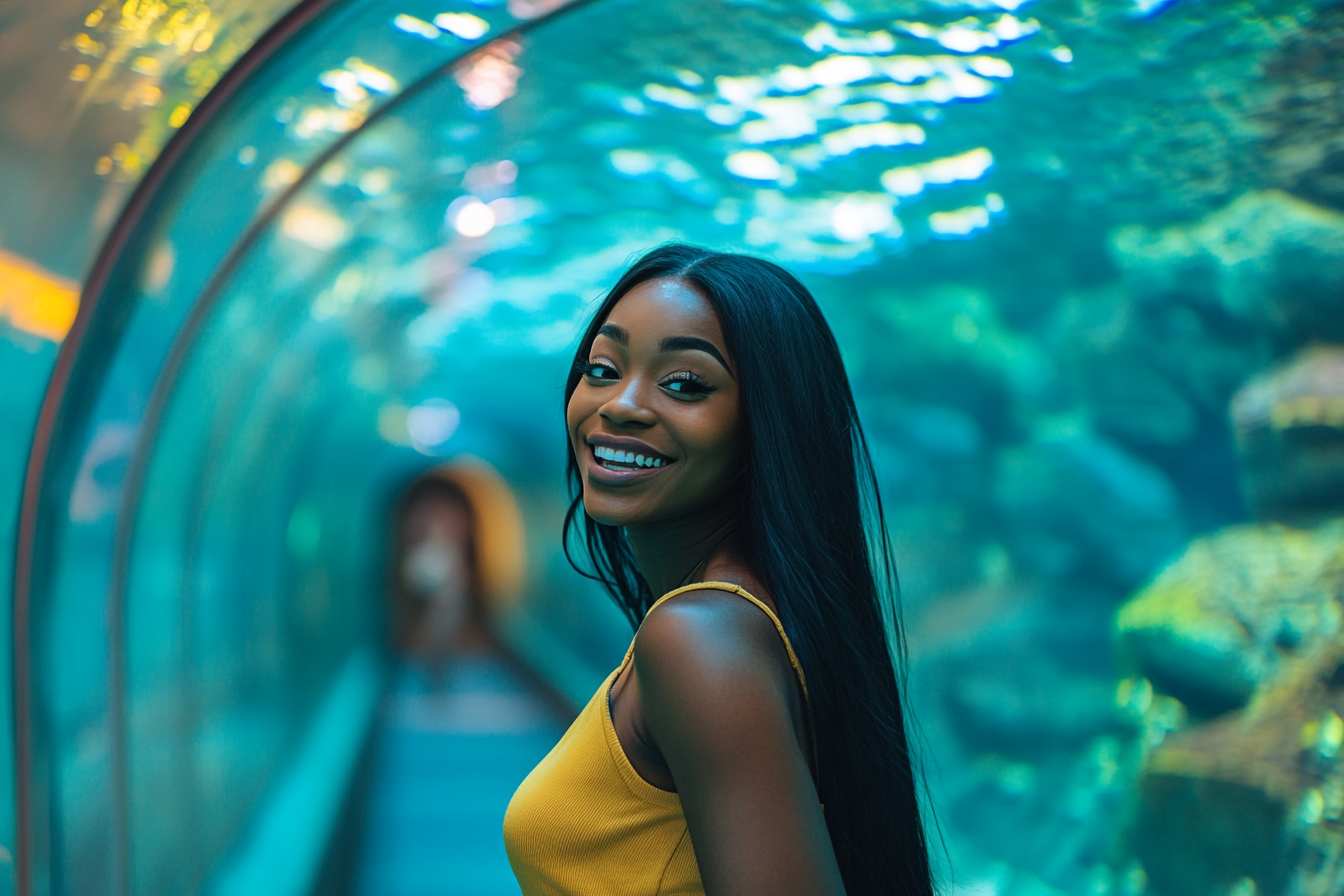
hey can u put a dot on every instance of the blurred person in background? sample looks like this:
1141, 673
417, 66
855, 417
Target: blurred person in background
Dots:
436, 608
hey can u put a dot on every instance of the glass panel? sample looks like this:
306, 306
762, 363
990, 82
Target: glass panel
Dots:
89, 94
331, 79
81, 87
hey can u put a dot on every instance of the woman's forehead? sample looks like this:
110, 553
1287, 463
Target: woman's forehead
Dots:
655, 309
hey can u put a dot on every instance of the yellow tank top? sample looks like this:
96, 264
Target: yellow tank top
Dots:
584, 823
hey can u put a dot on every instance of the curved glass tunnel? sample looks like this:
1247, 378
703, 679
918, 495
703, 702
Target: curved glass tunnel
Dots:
1086, 266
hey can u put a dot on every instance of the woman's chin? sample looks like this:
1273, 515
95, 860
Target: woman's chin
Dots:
619, 510
613, 516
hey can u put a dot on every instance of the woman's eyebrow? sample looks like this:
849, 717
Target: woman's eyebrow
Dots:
615, 333
694, 344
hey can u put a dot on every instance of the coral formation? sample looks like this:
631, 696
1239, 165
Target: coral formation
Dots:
1243, 629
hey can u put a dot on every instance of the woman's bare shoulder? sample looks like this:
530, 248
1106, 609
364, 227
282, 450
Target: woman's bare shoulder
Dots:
712, 644
721, 704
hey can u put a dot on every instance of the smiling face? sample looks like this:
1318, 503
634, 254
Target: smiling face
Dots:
654, 418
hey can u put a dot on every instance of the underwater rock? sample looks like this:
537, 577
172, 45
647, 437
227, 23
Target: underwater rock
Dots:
1302, 120
1267, 257
949, 346
1245, 628
924, 452
1256, 795
1024, 700
1021, 668
1079, 501
1220, 621
1126, 396
1289, 426
1148, 373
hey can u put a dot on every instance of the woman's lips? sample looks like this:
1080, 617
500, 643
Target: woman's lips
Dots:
599, 472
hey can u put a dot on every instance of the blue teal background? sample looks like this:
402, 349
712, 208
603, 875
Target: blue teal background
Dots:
1085, 261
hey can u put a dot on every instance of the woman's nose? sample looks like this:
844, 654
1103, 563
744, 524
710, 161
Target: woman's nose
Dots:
628, 407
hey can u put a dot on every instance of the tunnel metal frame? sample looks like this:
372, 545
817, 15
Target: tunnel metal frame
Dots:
82, 359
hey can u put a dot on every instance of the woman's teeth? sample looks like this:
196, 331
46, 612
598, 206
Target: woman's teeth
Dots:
612, 456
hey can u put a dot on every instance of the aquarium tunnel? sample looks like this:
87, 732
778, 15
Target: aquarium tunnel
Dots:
284, 284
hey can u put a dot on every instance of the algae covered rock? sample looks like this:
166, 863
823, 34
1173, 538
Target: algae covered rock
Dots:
1245, 794
1254, 796
1289, 426
1268, 257
1219, 622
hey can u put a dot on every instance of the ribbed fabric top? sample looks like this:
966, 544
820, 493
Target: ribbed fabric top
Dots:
584, 823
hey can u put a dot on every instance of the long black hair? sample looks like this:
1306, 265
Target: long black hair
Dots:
811, 528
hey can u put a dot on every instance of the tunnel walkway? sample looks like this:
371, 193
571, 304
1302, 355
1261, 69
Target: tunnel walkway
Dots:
447, 758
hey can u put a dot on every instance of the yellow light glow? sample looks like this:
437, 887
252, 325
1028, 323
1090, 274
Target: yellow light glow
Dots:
34, 300
314, 226
279, 174
87, 45
161, 55
145, 65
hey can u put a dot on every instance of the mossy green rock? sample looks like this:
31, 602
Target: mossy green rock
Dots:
1252, 795
1268, 257
1217, 623
1244, 628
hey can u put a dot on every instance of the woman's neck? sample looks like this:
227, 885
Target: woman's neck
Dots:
675, 552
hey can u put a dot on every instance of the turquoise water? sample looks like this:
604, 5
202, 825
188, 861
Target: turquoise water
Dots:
1085, 263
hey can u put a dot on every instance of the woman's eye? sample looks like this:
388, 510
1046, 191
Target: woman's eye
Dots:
600, 371
687, 384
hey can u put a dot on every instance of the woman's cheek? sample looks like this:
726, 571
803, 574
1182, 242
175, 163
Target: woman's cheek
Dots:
575, 413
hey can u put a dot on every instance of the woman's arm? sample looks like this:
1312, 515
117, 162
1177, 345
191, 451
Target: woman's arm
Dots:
719, 701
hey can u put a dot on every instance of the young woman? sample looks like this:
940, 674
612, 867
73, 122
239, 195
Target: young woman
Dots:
753, 740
